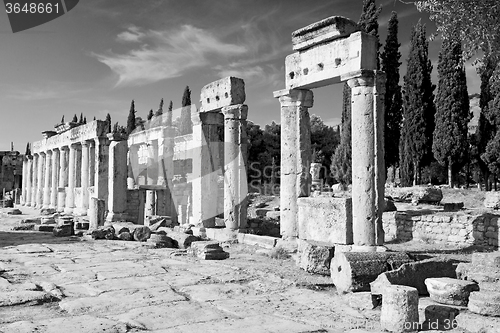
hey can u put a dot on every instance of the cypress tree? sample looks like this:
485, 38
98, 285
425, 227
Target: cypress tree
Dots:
341, 169
131, 118
393, 98
492, 154
450, 142
62, 120
94, 118
81, 119
75, 119
150, 114
418, 108
168, 116
341, 166
186, 125
84, 120
485, 128
108, 123
28, 151
159, 112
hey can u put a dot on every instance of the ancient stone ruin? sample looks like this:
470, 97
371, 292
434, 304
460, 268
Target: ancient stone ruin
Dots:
192, 179
333, 51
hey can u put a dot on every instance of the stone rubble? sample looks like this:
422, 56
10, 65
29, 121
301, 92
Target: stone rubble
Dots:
450, 291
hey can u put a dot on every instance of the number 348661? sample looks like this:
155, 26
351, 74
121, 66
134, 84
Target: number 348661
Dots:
31, 8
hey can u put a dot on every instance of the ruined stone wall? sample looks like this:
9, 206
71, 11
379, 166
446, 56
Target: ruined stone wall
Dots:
444, 228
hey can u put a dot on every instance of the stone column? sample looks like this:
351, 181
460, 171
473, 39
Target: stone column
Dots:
152, 166
70, 194
117, 183
23, 190
206, 164
63, 179
295, 178
34, 183
47, 178
91, 170
368, 174
55, 178
40, 181
150, 206
84, 204
28, 181
132, 179
235, 191
101, 169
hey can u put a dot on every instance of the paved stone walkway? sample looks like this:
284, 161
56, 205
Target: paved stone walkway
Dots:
69, 285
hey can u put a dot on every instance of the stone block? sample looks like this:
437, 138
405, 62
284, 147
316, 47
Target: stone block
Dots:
47, 220
353, 271
328, 63
181, 239
416, 194
325, 219
489, 259
413, 274
224, 92
452, 206
492, 200
485, 303
450, 291
262, 241
326, 30
44, 227
314, 257
400, 309
11, 211
208, 250
48, 211
63, 231
439, 317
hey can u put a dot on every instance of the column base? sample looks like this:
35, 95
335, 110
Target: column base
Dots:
368, 248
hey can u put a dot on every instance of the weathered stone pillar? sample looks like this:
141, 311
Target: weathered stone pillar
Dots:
101, 169
40, 180
84, 178
166, 170
63, 178
23, 190
132, 156
47, 178
70, 194
91, 163
117, 184
235, 190
34, 183
28, 181
295, 178
206, 164
54, 180
78, 166
368, 174
150, 205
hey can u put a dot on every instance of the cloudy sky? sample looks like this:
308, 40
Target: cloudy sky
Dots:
104, 53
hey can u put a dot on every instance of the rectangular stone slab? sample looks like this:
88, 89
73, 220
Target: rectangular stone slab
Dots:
331, 28
325, 219
224, 92
326, 64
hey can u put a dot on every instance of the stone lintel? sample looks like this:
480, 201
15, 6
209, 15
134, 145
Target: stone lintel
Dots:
296, 97
237, 112
329, 29
327, 63
227, 91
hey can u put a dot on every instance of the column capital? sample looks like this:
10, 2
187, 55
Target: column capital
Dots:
85, 144
236, 112
55, 149
64, 148
366, 78
295, 97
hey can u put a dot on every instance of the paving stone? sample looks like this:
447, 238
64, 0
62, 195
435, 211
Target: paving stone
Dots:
265, 323
10, 298
485, 303
212, 292
78, 324
171, 315
115, 302
450, 291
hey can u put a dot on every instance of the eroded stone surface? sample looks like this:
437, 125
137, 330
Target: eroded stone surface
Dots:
450, 291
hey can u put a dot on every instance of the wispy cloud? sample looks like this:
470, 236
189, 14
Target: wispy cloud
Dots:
51, 91
166, 54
